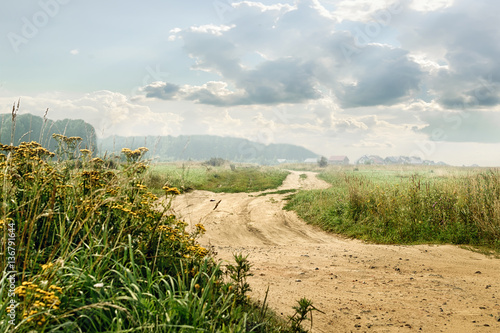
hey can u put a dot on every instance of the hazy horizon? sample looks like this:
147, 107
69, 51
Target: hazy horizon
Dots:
366, 77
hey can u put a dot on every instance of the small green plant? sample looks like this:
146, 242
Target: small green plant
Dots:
272, 200
304, 309
303, 176
238, 274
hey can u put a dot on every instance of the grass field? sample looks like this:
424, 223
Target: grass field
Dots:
228, 178
407, 204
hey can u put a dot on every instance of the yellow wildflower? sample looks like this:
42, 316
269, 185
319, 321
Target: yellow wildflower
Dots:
171, 190
85, 152
200, 228
47, 266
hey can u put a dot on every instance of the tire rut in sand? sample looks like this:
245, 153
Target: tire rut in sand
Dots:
246, 214
242, 219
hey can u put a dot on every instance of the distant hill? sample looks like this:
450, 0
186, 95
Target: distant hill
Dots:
33, 128
162, 148
204, 147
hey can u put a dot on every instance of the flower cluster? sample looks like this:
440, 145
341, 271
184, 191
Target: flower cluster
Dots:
171, 190
68, 140
92, 179
125, 209
134, 155
4, 222
86, 152
97, 161
37, 302
67, 146
27, 164
27, 151
175, 236
200, 228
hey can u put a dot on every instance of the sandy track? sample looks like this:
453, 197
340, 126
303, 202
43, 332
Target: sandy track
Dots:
360, 287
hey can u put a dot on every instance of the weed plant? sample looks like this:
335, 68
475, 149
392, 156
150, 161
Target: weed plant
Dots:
456, 206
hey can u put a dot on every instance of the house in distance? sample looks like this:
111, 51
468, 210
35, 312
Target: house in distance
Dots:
311, 160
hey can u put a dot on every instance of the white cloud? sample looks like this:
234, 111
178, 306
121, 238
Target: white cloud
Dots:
262, 7
430, 5
364, 10
216, 30
428, 64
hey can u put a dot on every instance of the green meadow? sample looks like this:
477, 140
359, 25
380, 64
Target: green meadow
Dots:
227, 178
407, 204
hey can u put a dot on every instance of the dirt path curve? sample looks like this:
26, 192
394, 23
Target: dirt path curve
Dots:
360, 287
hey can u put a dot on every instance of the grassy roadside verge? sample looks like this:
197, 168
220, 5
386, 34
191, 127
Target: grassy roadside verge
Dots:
86, 248
233, 179
407, 206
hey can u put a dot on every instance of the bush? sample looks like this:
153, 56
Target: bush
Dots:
216, 162
322, 162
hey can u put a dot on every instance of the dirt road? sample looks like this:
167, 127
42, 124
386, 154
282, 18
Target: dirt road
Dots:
360, 287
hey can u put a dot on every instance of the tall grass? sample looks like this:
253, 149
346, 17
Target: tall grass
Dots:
388, 206
96, 251
191, 176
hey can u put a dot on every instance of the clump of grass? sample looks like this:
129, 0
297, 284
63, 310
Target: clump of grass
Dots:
405, 207
97, 251
184, 176
243, 180
215, 179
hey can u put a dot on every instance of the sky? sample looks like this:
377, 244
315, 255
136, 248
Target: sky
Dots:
339, 77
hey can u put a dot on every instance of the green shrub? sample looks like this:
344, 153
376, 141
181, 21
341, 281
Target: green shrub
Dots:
216, 162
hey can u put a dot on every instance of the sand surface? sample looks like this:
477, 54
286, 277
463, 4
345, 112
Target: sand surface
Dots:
360, 287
